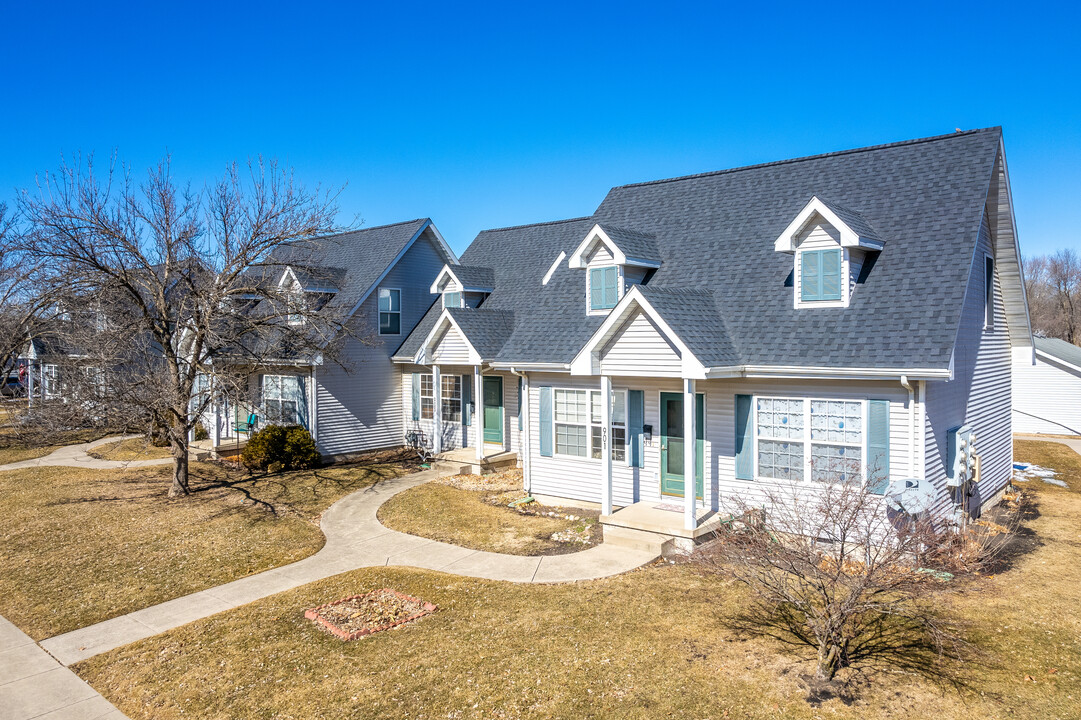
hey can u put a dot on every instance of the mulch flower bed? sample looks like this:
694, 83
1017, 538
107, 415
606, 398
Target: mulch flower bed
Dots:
360, 615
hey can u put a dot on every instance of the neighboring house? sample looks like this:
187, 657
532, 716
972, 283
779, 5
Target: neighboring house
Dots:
39, 366
1047, 388
379, 277
827, 319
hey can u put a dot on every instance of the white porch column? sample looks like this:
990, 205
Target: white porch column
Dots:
606, 445
523, 436
478, 410
30, 383
690, 455
437, 411
215, 432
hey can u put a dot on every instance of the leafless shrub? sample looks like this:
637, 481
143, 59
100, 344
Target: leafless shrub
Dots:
834, 571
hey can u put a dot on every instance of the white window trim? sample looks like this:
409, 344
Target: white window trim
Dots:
444, 398
588, 457
989, 300
797, 281
461, 298
50, 373
620, 287
378, 312
863, 400
281, 398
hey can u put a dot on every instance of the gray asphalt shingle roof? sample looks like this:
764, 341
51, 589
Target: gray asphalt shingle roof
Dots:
486, 329
714, 235
474, 276
1060, 349
353, 260
634, 244
853, 219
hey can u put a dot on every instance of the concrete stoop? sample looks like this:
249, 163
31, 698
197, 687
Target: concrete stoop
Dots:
455, 463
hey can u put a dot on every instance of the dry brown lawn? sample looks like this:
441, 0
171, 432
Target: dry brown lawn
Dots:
80, 546
461, 517
651, 643
138, 448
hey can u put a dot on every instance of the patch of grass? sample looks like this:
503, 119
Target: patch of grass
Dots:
461, 517
651, 643
81, 546
18, 453
130, 449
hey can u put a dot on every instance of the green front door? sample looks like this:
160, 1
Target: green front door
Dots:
672, 443
493, 410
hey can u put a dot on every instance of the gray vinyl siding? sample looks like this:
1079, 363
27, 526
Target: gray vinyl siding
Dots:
360, 397
579, 478
979, 394
456, 435
1046, 397
639, 348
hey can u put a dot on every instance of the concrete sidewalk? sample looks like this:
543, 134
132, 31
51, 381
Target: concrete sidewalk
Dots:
76, 456
34, 685
355, 539
1072, 443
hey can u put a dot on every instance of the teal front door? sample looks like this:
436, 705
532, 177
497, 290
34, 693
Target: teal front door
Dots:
672, 444
492, 397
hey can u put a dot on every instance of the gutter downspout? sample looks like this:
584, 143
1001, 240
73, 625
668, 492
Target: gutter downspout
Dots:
911, 425
523, 435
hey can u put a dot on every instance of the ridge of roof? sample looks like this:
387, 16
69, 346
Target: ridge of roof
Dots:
1059, 348
538, 224
373, 227
819, 156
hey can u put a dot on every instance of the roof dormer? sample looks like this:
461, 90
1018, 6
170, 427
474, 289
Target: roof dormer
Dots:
614, 260
463, 285
829, 243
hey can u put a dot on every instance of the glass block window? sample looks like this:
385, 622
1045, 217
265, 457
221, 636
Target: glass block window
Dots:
780, 460
825, 436
836, 463
836, 441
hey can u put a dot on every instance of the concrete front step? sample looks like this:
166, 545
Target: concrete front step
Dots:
638, 539
455, 466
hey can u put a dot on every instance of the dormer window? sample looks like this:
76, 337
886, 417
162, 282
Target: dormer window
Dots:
820, 275
452, 299
614, 259
829, 244
603, 287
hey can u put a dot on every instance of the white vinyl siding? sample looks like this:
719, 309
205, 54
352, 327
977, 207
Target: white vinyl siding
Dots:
1046, 396
579, 478
455, 434
639, 348
980, 393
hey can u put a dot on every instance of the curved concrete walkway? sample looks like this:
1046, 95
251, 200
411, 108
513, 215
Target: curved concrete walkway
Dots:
355, 539
1072, 443
76, 456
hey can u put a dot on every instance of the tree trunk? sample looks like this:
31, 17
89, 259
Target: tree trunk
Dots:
180, 469
829, 660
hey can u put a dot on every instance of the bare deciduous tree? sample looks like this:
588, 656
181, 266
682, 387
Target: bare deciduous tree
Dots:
828, 570
1053, 286
162, 287
17, 307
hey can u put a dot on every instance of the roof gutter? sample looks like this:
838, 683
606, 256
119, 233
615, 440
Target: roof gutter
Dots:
824, 373
512, 367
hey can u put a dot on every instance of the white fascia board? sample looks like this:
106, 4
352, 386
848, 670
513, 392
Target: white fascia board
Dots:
786, 241
440, 325
583, 361
445, 272
1016, 248
286, 276
551, 270
577, 260
1056, 360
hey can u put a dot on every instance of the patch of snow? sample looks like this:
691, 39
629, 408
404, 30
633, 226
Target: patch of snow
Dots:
1024, 472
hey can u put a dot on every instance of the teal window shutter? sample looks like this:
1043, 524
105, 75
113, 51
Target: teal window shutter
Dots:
820, 275
545, 420
519, 403
700, 438
636, 416
416, 396
878, 446
467, 400
603, 288
302, 402
744, 439
831, 274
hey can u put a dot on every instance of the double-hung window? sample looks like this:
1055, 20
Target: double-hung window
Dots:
451, 396
390, 311
579, 425
51, 381
800, 436
280, 395
452, 299
603, 287
820, 275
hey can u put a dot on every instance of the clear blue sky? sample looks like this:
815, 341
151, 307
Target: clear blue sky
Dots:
490, 115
